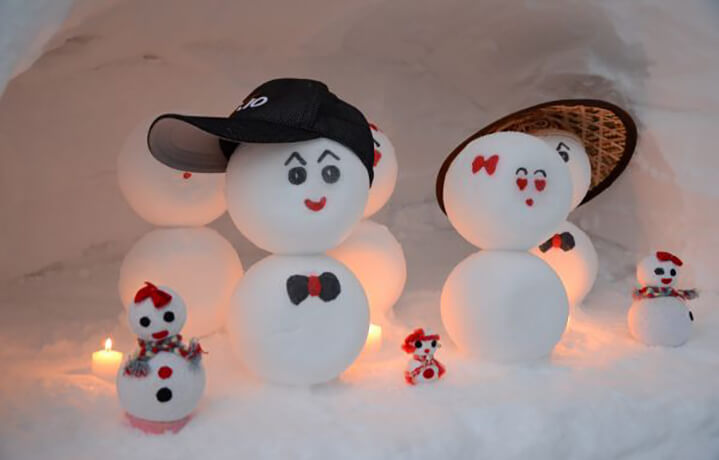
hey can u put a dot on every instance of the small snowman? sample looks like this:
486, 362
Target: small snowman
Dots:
423, 367
371, 251
659, 315
182, 252
299, 165
505, 193
161, 383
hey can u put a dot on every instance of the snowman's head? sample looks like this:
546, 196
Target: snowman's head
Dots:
570, 149
506, 190
421, 343
385, 172
660, 269
162, 195
156, 313
296, 198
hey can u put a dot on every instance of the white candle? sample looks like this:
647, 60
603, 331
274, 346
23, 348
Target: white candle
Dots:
106, 362
374, 338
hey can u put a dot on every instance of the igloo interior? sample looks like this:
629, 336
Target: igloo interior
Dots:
76, 77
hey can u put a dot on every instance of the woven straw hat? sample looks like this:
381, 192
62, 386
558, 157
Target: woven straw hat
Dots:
608, 132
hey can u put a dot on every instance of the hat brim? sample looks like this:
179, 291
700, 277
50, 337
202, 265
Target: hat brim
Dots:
607, 131
204, 144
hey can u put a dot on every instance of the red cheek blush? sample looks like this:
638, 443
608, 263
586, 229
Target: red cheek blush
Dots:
540, 184
186, 175
521, 183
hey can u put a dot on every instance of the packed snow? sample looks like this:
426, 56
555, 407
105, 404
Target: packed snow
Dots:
429, 74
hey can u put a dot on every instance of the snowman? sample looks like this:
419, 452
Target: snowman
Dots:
183, 253
423, 367
299, 164
659, 315
596, 140
505, 193
371, 251
161, 383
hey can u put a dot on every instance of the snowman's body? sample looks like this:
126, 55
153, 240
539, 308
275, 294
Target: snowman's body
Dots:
200, 263
662, 321
169, 392
428, 371
505, 192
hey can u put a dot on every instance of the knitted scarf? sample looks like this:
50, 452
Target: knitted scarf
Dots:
138, 365
651, 292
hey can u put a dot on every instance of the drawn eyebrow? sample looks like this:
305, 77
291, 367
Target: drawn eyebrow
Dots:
296, 156
544, 173
521, 169
325, 153
559, 146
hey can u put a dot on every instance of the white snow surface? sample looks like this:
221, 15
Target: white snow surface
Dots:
429, 73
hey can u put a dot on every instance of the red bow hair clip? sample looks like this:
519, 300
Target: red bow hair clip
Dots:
417, 334
159, 297
668, 256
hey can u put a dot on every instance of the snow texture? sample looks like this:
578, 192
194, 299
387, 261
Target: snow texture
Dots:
429, 73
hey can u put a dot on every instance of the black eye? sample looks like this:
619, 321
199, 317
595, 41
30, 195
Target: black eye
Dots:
297, 175
659, 271
168, 317
434, 344
331, 174
673, 272
376, 144
418, 344
144, 321
564, 155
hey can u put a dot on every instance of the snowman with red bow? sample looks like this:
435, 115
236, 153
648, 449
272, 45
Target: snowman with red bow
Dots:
161, 383
659, 315
423, 367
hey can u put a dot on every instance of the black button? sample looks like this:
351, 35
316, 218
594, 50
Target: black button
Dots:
164, 394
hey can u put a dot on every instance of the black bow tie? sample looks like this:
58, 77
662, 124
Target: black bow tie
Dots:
564, 241
326, 287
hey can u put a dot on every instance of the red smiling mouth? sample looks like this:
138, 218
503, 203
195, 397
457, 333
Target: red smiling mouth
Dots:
666, 280
160, 335
316, 205
530, 202
377, 157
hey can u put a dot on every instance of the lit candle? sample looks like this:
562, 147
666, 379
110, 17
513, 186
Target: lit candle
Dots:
374, 338
106, 362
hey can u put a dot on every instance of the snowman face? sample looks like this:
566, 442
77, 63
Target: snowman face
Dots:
385, 172
507, 191
152, 323
426, 348
296, 198
571, 150
162, 195
653, 272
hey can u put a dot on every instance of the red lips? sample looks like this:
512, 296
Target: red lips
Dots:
160, 335
186, 175
530, 202
316, 205
666, 280
377, 157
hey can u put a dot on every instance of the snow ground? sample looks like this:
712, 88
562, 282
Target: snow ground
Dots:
429, 73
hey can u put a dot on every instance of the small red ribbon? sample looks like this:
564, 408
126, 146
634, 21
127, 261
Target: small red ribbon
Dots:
666, 256
490, 164
159, 297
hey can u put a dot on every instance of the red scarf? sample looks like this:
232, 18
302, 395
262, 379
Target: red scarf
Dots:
652, 292
138, 365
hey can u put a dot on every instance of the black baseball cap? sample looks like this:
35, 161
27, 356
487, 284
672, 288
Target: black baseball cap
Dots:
278, 111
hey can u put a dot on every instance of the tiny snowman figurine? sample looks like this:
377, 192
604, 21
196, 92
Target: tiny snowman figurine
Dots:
161, 383
423, 367
299, 166
659, 315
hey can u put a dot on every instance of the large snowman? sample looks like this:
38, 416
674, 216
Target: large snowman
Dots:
196, 260
160, 385
504, 193
371, 251
299, 166
596, 140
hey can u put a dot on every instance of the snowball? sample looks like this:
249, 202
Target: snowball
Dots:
576, 267
385, 172
157, 397
151, 322
296, 198
298, 319
571, 150
504, 306
660, 321
162, 195
377, 260
198, 263
507, 190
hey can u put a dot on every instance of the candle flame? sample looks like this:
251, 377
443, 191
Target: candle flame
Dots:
108, 344
374, 332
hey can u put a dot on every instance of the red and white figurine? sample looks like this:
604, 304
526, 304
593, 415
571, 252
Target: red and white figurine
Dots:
161, 383
659, 315
423, 367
